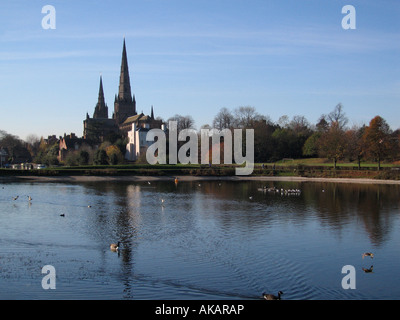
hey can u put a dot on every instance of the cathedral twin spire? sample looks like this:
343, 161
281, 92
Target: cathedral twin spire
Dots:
101, 125
101, 110
125, 103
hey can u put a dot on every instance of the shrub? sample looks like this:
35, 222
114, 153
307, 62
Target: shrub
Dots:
100, 157
83, 158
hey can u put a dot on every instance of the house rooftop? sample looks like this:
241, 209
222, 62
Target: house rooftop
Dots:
135, 118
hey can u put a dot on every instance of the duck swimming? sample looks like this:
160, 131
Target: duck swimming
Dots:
268, 296
368, 270
114, 247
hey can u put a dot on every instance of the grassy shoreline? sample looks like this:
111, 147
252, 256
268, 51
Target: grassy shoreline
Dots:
288, 169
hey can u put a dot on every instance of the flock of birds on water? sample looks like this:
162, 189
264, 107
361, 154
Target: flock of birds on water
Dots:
281, 191
266, 296
30, 199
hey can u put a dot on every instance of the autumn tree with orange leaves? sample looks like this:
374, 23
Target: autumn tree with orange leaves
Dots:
332, 143
377, 140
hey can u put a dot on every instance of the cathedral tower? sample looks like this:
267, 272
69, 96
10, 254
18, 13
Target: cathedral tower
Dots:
124, 104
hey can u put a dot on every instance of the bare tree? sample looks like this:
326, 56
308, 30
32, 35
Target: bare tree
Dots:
32, 139
184, 122
223, 120
33, 143
299, 124
338, 116
283, 121
245, 116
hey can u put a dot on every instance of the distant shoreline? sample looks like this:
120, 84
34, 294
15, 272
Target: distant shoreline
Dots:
184, 178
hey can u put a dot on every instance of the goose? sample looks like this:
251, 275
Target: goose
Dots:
114, 247
268, 296
368, 254
369, 270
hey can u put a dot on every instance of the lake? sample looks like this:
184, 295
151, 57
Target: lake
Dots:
199, 240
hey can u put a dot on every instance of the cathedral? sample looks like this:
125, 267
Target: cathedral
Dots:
124, 117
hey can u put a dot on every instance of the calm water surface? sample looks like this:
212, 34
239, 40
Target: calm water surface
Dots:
208, 240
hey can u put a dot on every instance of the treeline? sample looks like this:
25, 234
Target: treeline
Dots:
294, 138
110, 152
47, 151
330, 137
15, 148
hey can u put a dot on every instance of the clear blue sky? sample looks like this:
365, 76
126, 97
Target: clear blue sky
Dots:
283, 57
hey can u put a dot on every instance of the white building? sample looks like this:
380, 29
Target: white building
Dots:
137, 143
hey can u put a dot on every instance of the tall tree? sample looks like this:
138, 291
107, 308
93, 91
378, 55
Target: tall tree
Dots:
245, 116
355, 147
32, 144
322, 124
300, 125
311, 145
183, 122
338, 116
15, 147
332, 143
377, 139
223, 120
263, 141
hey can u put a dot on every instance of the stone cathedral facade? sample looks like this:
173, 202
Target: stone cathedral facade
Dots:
124, 115
125, 120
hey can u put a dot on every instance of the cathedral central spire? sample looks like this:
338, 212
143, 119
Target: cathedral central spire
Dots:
124, 104
124, 81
